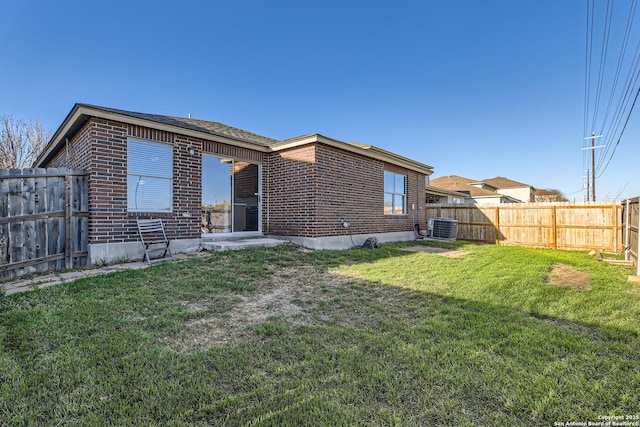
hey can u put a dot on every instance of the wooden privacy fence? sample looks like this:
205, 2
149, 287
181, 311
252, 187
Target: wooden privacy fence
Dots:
570, 226
44, 220
631, 219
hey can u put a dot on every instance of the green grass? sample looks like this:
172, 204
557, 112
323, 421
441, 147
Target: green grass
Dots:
361, 337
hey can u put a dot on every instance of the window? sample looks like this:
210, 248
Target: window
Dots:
394, 194
149, 176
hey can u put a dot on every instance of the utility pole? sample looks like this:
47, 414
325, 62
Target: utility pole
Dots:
593, 165
586, 186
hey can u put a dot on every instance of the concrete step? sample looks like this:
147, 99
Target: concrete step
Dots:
226, 245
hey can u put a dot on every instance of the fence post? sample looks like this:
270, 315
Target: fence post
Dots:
638, 245
554, 229
627, 231
497, 225
615, 227
68, 235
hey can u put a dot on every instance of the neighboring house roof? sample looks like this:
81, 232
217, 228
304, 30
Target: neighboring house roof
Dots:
502, 182
461, 184
444, 192
205, 129
471, 187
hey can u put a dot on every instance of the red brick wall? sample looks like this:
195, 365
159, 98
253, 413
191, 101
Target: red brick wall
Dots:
76, 154
311, 190
307, 191
100, 147
289, 188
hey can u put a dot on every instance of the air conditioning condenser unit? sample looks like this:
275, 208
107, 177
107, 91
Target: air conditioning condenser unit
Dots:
442, 228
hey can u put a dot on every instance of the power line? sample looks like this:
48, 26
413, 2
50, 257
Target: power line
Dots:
626, 97
587, 73
622, 104
621, 56
622, 107
603, 59
621, 133
617, 113
574, 192
587, 65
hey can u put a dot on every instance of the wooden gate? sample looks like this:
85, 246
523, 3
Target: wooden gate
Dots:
631, 220
44, 220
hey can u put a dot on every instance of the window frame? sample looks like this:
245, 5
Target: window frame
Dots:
394, 193
166, 177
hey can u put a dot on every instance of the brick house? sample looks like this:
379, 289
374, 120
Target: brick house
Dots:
487, 192
210, 181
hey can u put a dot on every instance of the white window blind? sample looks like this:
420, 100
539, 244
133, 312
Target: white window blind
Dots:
149, 176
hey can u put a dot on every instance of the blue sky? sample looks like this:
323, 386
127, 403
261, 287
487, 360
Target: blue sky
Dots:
473, 88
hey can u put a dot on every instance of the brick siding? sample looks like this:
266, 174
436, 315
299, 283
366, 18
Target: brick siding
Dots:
289, 190
100, 147
311, 190
307, 191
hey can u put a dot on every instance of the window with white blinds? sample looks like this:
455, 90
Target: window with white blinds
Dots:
149, 176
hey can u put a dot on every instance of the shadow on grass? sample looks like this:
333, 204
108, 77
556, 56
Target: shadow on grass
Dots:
371, 353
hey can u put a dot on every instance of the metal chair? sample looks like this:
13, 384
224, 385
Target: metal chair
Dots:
154, 239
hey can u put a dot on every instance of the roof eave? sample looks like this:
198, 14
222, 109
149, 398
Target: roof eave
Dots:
59, 136
80, 110
444, 192
362, 149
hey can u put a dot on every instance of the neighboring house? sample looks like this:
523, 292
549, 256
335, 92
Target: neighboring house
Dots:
511, 188
207, 180
441, 195
479, 192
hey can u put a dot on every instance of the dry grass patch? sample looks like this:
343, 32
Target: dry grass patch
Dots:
568, 277
291, 294
433, 250
634, 291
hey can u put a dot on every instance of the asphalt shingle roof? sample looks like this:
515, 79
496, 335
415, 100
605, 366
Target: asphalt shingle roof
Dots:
460, 183
82, 112
502, 182
213, 128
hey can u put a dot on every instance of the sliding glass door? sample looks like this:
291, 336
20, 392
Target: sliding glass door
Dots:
230, 196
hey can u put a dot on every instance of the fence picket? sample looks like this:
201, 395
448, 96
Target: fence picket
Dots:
4, 212
16, 240
578, 226
41, 224
37, 213
28, 208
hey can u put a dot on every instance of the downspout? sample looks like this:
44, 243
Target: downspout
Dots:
416, 222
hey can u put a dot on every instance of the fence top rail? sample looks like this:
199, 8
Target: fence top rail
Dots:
41, 173
528, 205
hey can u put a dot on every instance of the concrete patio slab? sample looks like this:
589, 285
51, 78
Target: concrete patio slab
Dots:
225, 245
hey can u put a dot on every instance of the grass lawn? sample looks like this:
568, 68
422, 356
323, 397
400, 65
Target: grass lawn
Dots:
480, 335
